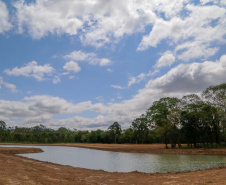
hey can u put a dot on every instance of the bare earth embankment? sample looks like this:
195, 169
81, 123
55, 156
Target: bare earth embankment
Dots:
19, 170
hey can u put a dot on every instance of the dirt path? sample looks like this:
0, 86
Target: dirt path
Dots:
19, 170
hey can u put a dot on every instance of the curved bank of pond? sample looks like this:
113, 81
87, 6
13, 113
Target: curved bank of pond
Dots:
19, 150
123, 162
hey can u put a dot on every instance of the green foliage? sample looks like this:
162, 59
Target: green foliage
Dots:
115, 131
140, 129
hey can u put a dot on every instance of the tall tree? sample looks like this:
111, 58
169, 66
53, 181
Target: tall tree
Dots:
140, 128
115, 131
2, 129
216, 97
158, 116
192, 118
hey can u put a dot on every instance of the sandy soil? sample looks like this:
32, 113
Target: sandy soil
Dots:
19, 170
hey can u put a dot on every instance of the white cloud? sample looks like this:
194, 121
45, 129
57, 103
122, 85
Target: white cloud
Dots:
44, 17
91, 58
104, 62
117, 87
140, 77
5, 25
72, 77
195, 34
100, 22
192, 77
56, 80
109, 70
72, 66
195, 50
32, 69
167, 59
49, 105
10, 86
161, 30
223, 2
80, 56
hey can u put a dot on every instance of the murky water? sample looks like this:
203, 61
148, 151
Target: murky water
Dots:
124, 162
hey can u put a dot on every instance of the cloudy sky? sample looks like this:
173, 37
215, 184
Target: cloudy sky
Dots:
86, 63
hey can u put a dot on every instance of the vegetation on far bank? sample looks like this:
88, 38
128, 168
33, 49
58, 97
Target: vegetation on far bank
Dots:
199, 121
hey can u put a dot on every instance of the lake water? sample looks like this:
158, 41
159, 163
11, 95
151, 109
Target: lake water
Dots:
123, 162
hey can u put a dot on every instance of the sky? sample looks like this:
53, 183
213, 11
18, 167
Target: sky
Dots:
84, 64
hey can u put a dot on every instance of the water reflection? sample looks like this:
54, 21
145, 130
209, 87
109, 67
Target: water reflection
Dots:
124, 162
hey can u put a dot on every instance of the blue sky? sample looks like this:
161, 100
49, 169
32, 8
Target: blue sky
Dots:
85, 64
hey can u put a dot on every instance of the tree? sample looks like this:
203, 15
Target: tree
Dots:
175, 120
2, 129
92, 137
115, 131
160, 117
140, 128
128, 135
211, 124
216, 96
2, 125
196, 126
192, 126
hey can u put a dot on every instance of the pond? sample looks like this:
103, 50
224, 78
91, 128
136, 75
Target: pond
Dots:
123, 162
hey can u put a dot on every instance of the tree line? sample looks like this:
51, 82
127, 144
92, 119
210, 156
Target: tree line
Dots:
197, 120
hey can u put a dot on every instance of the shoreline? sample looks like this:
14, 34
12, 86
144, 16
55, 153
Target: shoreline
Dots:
30, 171
136, 148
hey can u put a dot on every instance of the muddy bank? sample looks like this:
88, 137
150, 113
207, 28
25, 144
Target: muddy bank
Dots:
20, 170
19, 150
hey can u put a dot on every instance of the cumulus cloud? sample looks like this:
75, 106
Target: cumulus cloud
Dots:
10, 86
193, 77
43, 17
194, 34
91, 58
72, 66
5, 24
182, 23
167, 59
103, 20
31, 69
98, 21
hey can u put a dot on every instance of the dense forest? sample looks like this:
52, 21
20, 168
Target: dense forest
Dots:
196, 120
